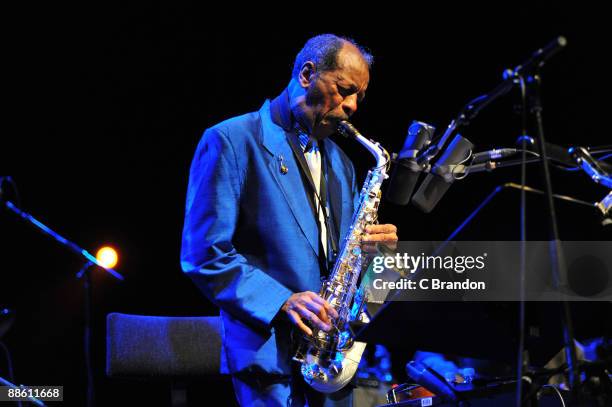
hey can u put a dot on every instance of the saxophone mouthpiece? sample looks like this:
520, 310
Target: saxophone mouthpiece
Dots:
347, 129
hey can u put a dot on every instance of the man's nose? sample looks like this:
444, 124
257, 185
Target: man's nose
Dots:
350, 104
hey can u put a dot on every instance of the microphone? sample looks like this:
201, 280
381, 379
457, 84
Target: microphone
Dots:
542, 55
494, 154
406, 171
441, 177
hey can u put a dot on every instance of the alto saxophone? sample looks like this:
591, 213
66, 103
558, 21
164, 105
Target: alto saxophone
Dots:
330, 359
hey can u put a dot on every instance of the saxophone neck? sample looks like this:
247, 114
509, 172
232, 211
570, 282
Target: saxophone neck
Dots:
382, 156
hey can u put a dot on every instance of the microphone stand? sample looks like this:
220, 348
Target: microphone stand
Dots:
527, 75
537, 60
523, 259
469, 112
90, 263
530, 70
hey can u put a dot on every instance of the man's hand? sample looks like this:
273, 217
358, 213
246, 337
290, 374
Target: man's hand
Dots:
310, 307
386, 234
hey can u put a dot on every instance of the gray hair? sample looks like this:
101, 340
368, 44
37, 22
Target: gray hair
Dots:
323, 51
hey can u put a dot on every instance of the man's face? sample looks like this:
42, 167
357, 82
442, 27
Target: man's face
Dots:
333, 96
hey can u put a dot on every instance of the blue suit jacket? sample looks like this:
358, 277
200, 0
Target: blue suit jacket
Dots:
250, 238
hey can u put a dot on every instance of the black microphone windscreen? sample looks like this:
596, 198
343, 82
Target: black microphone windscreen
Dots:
441, 177
430, 193
405, 173
419, 136
404, 177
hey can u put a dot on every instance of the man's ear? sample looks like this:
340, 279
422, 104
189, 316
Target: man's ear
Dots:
307, 74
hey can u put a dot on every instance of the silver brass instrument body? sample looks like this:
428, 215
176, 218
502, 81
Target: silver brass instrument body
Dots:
330, 359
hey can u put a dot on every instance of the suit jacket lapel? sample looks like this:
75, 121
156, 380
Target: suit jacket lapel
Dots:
274, 140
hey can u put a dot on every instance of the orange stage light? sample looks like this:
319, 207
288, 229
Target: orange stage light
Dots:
107, 257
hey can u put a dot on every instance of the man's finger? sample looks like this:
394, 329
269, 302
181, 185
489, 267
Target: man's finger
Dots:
330, 310
318, 299
386, 228
319, 310
380, 237
295, 317
312, 318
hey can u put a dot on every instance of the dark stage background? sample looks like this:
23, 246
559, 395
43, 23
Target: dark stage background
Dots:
107, 103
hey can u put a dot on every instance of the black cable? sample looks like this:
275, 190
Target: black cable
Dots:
471, 164
576, 168
604, 157
556, 391
565, 168
465, 174
526, 151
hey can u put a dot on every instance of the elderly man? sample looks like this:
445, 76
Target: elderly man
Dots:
256, 239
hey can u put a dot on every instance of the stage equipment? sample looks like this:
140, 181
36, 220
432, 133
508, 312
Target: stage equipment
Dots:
90, 263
